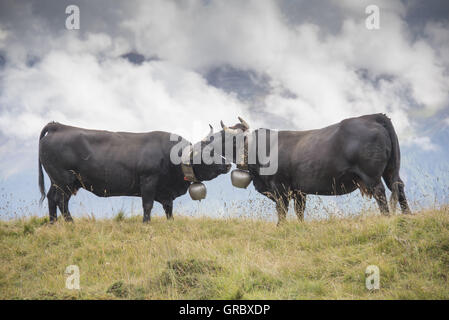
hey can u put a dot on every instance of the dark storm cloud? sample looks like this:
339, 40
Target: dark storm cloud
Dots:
324, 13
2, 59
106, 15
134, 57
421, 12
97, 16
247, 84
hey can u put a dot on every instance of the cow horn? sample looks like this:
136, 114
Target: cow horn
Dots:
245, 124
229, 130
211, 132
223, 125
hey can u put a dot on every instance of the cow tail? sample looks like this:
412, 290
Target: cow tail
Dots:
41, 173
391, 173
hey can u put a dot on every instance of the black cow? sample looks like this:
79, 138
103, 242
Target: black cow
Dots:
115, 164
355, 153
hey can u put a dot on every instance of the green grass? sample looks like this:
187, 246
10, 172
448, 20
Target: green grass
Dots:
205, 258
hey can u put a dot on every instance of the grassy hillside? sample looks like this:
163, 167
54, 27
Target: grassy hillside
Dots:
202, 258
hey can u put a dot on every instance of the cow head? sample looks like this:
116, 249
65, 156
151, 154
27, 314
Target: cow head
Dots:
211, 164
238, 128
255, 151
232, 137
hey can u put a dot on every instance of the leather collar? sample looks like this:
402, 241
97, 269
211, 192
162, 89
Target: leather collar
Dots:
242, 163
186, 164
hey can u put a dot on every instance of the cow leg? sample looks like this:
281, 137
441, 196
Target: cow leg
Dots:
147, 202
282, 208
62, 200
381, 198
168, 208
300, 205
52, 210
148, 191
372, 186
402, 199
395, 184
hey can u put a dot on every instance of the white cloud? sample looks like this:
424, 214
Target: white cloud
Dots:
80, 80
319, 68
74, 86
3, 35
111, 94
438, 36
423, 142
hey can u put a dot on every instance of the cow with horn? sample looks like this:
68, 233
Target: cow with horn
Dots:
120, 164
355, 153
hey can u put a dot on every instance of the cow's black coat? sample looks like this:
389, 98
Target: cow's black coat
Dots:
113, 164
338, 159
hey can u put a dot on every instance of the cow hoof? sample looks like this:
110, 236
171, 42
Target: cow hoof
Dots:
281, 223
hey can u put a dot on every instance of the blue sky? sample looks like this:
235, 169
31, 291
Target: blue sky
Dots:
178, 66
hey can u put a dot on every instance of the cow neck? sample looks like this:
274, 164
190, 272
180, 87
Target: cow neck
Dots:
186, 164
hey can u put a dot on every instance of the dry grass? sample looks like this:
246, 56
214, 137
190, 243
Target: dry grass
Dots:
204, 258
